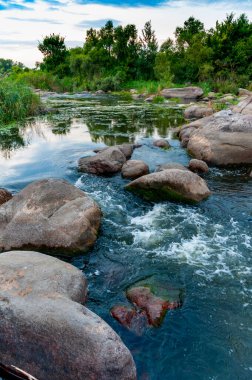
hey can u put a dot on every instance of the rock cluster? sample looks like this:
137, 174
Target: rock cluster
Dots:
46, 330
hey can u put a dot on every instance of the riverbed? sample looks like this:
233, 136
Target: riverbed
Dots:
204, 250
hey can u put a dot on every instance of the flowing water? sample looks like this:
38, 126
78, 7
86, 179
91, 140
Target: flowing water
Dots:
205, 250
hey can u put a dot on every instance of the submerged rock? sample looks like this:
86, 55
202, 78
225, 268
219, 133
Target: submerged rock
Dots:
151, 299
198, 166
161, 143
184, 93
170, 165
107, 162
5, 196
134, 320
223, 139
50, 214
134, 169
155, 307
171, 184
197, 112
47, 331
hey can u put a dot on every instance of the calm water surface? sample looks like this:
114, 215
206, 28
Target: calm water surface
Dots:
205, 250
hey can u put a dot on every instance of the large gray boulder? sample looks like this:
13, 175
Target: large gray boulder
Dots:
223, 139
184, 93
45, 329
171, 184
50, 214
197, 112
5, 196
106, 162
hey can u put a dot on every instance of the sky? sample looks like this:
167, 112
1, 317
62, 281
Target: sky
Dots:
25, 22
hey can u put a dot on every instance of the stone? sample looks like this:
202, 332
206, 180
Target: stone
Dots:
186, 130
244, 107
244, 92
134, 320
46, 330
224, 139
170, 165
227, 98
99, 92
134, 168
150, 99
5, 196
171, 184
107, 162
198, 166
137, 96
155, 307
50, 214
126, 149
161, 143
197, 112
212, 95
184, 93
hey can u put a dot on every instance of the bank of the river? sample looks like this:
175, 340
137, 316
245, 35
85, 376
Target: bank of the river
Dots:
204, 250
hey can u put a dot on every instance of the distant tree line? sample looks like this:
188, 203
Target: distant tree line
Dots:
113, 56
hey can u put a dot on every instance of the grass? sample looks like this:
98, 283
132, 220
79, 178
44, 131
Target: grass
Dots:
17, 101
142, 86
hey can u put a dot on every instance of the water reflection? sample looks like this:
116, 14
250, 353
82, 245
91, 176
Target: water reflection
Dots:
10, 139
110, 121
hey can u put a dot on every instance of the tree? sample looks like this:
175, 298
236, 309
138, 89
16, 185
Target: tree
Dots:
185, 35
149, 49
55, 53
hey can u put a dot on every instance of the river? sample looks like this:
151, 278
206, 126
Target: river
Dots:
205, 250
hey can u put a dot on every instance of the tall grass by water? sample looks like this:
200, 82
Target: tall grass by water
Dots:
17, 101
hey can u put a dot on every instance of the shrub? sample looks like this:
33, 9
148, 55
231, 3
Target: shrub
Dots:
17, 101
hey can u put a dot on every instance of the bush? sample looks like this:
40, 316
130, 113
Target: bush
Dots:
16, 102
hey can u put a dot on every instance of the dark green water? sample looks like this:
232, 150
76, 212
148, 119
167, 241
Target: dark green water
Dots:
204, 250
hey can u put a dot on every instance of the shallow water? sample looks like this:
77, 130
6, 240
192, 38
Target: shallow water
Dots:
205, 250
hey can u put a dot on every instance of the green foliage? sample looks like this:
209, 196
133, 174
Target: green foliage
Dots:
158, 99
162, 69
8, 65
116, 58
16, 102
55, 54
143, 86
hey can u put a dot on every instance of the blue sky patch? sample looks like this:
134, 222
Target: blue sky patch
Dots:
125, 3
96, 23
